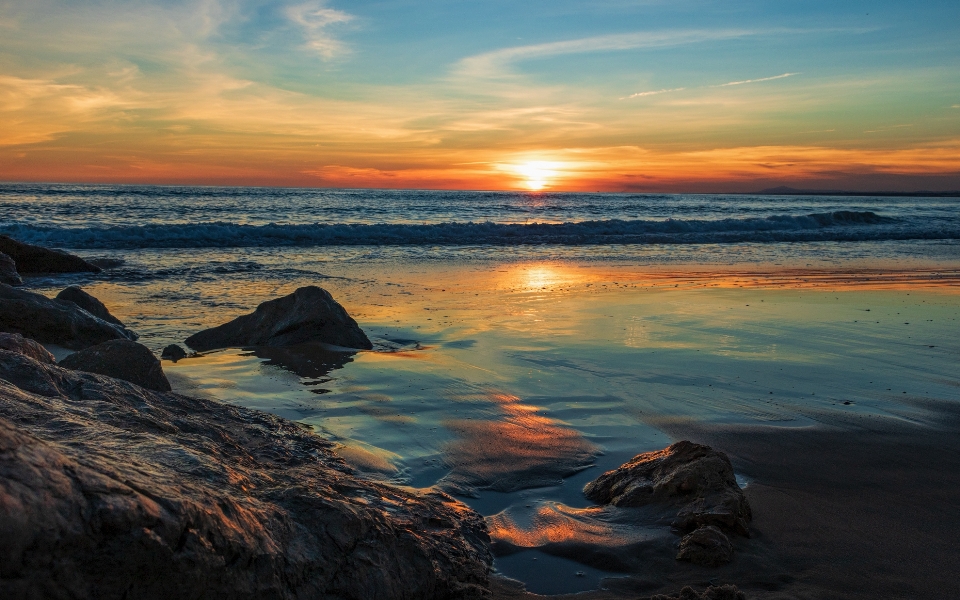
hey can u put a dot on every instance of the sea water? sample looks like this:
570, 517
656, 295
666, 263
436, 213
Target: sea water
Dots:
524, 343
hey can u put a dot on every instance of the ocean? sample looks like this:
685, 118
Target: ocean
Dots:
526, 342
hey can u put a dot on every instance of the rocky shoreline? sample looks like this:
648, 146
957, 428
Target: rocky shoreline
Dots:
111, 486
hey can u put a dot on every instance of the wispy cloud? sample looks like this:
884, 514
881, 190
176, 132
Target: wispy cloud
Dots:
891, 128
653, 93
785, 75
316, 18
491, 64
955, 106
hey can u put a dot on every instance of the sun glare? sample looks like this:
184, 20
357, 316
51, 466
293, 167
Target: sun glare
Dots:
537, 174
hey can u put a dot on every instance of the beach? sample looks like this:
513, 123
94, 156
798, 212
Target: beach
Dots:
511, 375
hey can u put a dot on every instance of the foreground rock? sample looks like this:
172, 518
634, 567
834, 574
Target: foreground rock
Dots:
122, 359
108, 490
32, 259
88, 303
54, 321
310, 314
706, 546
8, 271
696, 479
14, 342
718, 592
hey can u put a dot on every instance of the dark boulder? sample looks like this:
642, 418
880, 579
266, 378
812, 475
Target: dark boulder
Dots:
8, 271
88, 303
32, 259
54, 321
310, 314
695, 478
108, 490
14, 342
173, 352
122, 359
714, 592
706, 546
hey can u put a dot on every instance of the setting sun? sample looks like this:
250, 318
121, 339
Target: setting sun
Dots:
537, 174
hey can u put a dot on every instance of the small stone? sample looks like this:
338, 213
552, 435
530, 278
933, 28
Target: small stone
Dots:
707, 547
173, 352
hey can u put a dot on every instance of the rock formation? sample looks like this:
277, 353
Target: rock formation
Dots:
108, 490
122, 359
54, 321
32, 259
8, 271
14, 342
714, 592
173, 352
695, 478
310, 314
88, 303
706, 546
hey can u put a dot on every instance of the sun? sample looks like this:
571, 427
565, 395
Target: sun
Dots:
537, 174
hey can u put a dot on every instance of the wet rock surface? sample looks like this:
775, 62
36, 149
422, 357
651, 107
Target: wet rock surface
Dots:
88, 303
173, 352
696, 479
122, 359
54, 321
706, 546
32, 259
310, 314
14, 342
109, 490
8, 271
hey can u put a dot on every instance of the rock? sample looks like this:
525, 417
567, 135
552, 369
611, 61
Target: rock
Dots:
706, 546
310, 314
32, 259
173, 352
8, 271
109, 490
14, 342
697, 479
88, 303
54, 321
121, 359
718, 592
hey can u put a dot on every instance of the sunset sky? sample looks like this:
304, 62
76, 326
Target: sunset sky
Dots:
609, 95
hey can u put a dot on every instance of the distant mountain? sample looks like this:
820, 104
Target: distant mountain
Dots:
789, 191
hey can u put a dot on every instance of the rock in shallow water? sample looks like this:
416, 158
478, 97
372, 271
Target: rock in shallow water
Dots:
108, 490
88, 303
696, 478
32, 259
122, 359
706, 546
173, 352
54, 321
14, 342
8, 271
310, 314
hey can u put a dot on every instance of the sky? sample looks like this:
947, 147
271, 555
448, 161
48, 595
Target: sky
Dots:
605, 95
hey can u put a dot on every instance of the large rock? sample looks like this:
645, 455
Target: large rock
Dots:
32, 259
108, 490
122, 359
706, 546
54, 321
88, 303
310, 314
14, 342
695, 478
8, 271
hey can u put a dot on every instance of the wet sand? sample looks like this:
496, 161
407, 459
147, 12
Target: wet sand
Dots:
833, 391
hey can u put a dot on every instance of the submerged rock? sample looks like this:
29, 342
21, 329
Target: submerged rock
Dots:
173, 352
696, 478
108, 490
122, 359
32, 259
88, 303
706, 546
8, 271
54, 321
310, 314
14, 342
